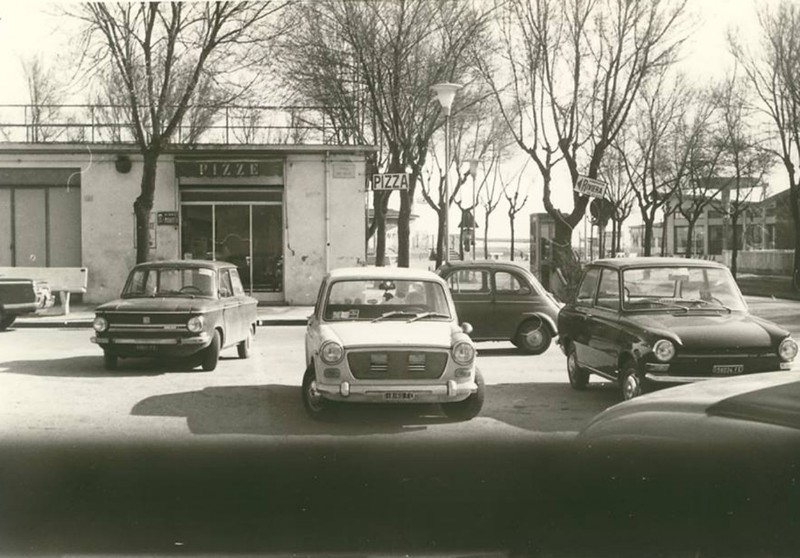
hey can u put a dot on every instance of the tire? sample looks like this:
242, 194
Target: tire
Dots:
578, 377
243, 348
631, 383
6, 320
317, 407
471, 406
533, 337
110, 360
211, 354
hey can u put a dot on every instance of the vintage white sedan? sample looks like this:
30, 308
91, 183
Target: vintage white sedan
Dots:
389, 335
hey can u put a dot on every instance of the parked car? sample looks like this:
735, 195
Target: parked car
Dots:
645, 322
17, 296
181, 308
743, 411
503, 301
389, 335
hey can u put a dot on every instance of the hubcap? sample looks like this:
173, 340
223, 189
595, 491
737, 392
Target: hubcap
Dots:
314, 397
572, 366
534, 338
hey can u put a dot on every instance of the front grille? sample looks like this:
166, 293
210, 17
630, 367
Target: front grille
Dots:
397, 365
144, 318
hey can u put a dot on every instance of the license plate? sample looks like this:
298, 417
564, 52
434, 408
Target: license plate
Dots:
398, 396
145, 347
727, 369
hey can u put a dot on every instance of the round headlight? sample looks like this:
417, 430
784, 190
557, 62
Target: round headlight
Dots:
100, 324
195, 324
463, 352
331, 352
787, 349
664, 350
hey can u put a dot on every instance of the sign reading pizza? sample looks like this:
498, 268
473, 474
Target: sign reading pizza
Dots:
591, 187
393, 181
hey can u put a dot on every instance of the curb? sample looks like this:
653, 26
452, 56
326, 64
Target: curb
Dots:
88, 325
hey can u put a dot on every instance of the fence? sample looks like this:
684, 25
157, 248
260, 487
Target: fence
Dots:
233, 124
763, 262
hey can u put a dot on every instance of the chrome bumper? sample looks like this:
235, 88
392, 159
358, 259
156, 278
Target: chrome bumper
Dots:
201, 339
392, 393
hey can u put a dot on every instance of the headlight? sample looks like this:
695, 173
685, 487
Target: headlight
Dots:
195, 324
331, 352
463, 352
664, 350
787, 349
100, 324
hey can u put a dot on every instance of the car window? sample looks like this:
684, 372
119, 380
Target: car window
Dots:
366, 299
192, 281
692, 287
608, 293
469, 281
588, 287
236, 283
508, 283
225, 286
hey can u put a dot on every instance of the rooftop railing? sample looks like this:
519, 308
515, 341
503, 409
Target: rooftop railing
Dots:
234, 125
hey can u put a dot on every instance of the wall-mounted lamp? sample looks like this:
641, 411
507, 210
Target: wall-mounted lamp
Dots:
123, 164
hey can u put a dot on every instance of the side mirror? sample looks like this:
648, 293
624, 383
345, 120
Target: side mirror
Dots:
466, 327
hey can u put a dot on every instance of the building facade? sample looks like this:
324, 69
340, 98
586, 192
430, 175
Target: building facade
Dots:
284, 214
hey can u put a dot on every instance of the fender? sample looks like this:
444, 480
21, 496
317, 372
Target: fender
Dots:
545, 318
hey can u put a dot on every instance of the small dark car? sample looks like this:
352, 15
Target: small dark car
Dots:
17, 296
503, 301
180, 308
644, 322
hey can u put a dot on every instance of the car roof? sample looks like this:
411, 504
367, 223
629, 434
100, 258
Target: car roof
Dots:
211, 264
483, 263
655, 261
375, 272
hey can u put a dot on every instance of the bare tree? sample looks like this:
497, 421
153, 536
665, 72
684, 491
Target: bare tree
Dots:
376, 61
45, 97
744, 158
619, 195
515, 204
576, 68
772, 74
160, 53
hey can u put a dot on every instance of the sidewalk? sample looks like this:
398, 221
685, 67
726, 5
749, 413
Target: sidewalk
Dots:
82, 315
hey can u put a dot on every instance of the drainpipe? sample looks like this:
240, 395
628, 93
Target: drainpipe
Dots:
327, 213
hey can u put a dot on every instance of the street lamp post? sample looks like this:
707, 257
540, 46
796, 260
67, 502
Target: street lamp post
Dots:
445, 93
473, 172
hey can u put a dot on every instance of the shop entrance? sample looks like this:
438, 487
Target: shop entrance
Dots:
247, 231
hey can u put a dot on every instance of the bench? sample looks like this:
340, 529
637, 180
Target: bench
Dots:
63, 280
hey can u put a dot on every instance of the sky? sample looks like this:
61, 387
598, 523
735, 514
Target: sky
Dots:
32, 28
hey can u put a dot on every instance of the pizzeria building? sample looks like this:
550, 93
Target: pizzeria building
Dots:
284, 214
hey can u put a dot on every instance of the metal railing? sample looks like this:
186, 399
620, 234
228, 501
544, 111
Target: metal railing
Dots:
230, 125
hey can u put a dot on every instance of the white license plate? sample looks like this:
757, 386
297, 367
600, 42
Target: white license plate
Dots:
145, 347
398, 396
727, 369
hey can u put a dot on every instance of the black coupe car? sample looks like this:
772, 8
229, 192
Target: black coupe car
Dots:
644, 322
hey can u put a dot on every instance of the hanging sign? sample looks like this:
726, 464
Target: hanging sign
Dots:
398, 181
591, 187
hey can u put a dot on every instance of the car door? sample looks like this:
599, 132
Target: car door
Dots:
574, 317
472, 294
511, 295
230, 309
247, 312
603, 325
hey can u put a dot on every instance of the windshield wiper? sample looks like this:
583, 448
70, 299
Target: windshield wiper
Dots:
708, 303
428, 315
393, 314
662, 303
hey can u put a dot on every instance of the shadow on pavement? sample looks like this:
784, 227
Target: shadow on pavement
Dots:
92, 367
277, 410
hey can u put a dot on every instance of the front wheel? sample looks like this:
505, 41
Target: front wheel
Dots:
631, 383
471, 406
6, 320
243, 348
533, 337
317, 407
211, 354
578, 376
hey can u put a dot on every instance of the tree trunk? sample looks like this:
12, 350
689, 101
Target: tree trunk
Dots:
403, 228
664, 235
486, 236
735, 240
144, 205
689, 239
511, 220
647, 241
794, 200
440, 238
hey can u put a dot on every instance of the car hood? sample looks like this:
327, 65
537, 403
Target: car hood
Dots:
157, 304
699, 411
422, 333
695, 329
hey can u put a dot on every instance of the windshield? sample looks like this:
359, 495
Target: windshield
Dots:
680, 287
172, 281
367, 299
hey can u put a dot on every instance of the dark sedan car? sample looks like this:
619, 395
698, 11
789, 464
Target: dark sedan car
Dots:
502, 301
644, 322
182, 308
